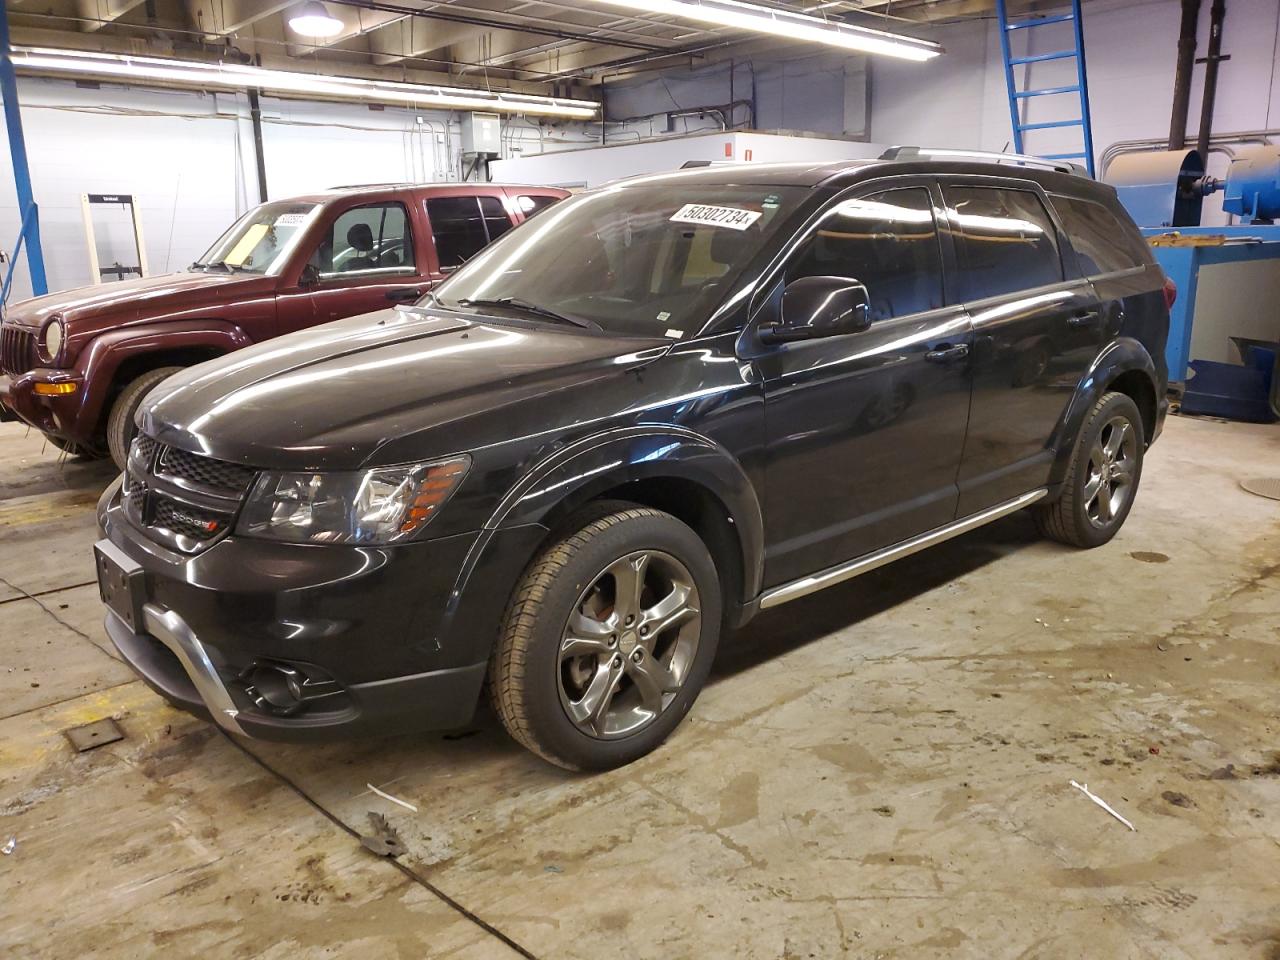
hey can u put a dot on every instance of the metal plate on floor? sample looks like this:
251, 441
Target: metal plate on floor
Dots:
1263, 486
96, 734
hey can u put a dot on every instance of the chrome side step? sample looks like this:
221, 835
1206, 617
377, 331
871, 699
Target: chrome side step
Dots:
846, 571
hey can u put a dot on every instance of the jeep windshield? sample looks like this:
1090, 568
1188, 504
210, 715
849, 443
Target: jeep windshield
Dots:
641, 261
261, 240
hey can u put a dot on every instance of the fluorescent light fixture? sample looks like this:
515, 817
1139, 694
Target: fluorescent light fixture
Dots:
313, 19
235, 76
784, 23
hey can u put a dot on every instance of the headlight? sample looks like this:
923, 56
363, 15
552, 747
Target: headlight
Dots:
370, 507
51, 338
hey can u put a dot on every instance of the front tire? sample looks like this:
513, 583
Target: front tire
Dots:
1102, 478
120, 426
608, 639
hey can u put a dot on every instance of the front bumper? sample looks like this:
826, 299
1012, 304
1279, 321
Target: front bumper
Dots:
173, 662
57, 415
399, 636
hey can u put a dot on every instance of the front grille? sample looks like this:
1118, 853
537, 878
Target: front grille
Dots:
137, 495
218, 474
187, 521
17, 349
144, 450
183, 499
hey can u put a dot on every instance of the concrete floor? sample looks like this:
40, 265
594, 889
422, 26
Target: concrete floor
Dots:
881, 770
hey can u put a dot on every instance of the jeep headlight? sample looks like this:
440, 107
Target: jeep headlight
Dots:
371, 507
51, 339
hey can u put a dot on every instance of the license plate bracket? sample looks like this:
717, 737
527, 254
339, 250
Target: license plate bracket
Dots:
120, 583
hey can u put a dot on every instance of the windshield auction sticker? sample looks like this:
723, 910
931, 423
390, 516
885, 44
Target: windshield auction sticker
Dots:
735, 218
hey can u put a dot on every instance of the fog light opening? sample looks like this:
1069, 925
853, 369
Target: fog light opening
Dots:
275, 688
285, 689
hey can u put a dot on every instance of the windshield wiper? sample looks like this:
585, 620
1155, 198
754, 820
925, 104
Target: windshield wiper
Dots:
515, 303
219, 265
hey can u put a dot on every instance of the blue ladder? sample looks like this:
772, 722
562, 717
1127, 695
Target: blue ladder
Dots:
1080, 87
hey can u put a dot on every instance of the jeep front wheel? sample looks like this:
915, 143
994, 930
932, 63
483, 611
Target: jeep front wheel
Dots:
608, 639
120, 426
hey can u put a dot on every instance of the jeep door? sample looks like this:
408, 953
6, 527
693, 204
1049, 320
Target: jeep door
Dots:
865, 430
463, 224
1036, 329
366, 257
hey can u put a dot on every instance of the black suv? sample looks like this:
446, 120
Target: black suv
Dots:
628, 425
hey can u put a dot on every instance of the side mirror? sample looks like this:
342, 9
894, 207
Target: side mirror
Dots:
820, 307
309, 277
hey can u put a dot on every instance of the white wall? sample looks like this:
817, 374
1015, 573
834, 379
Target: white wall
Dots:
959, 99
187, 158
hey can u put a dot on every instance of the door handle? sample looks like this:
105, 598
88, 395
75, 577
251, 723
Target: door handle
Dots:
400, 296
946, 354
1083, 318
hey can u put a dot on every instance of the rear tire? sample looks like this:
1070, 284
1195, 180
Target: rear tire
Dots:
608, 639
120, 426
1102, 478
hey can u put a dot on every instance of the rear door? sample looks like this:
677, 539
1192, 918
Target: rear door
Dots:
366, 259
1036, 329
865, 430
1112, 254
464, 224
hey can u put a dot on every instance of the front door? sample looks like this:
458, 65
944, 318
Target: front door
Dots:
1035, 333
365, 260
865, 430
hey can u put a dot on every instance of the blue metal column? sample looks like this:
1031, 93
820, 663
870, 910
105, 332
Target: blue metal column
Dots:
28, 212
1015, 113
1082, 81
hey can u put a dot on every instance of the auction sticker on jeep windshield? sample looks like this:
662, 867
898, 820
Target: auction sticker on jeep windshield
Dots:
735, 218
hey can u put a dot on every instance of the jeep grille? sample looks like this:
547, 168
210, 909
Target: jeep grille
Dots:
17, 349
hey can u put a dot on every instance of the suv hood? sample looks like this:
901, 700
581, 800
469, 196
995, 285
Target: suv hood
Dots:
126, 299
387, 387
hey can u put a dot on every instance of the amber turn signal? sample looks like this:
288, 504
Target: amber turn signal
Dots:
59, 389
433, 490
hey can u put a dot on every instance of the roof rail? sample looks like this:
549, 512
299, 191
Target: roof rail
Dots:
1017, 159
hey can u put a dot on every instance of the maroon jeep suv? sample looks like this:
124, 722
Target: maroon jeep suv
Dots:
76, 364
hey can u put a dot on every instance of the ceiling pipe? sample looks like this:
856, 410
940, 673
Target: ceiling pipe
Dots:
1182, 76
439, 13
1217, 15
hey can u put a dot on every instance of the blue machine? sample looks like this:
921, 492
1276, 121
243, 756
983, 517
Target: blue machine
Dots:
1253, 185
1224, 328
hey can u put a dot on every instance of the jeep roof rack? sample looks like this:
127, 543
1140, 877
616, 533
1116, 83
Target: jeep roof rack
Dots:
1018, 159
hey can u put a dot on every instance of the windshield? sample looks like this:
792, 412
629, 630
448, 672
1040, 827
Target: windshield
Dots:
259, 241
644, 261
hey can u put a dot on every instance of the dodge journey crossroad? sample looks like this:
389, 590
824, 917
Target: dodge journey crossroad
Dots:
619, 432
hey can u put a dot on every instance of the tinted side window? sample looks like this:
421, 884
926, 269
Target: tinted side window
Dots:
531, 205
495, 217
888, 242
1102, 241
1005, 241
375, 237
458, 228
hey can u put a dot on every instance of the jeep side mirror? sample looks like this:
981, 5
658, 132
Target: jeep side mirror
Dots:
309, 277
820, 307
